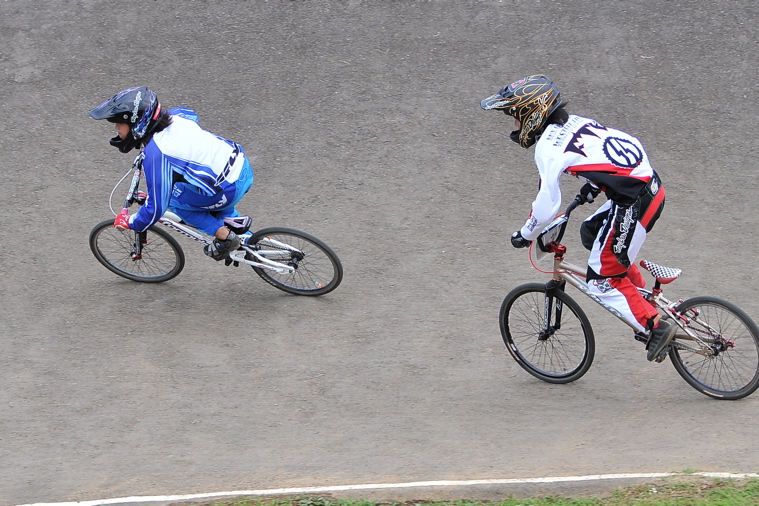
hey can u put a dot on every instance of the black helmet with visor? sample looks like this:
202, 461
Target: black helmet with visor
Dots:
137, 107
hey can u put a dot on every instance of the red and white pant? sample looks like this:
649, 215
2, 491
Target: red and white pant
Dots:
611, 281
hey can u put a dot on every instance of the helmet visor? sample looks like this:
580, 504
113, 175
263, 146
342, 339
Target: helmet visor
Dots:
109, 111
497, 101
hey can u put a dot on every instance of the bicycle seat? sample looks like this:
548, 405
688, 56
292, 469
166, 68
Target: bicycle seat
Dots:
662, 274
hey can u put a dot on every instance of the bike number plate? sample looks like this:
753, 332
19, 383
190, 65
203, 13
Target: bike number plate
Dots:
552, 233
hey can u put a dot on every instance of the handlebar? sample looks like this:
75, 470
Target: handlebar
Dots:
553, 233
577, 201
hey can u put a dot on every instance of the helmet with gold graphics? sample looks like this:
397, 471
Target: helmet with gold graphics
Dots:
531, 101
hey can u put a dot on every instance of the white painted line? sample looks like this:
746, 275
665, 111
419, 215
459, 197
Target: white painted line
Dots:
380, 486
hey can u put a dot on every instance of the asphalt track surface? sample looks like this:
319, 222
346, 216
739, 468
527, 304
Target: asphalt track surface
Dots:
363, 123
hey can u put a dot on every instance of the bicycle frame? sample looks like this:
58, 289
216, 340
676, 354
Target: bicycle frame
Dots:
260, 257
172, 221
566, 272
575, 276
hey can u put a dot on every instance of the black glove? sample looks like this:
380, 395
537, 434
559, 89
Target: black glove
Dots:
518, 241
589, 192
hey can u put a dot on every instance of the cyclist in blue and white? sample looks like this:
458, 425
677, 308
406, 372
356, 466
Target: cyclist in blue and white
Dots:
610, 161
192, 172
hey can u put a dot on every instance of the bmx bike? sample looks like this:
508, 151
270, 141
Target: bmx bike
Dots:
291, 260
715, 349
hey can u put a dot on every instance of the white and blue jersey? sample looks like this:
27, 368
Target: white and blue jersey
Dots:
193, 172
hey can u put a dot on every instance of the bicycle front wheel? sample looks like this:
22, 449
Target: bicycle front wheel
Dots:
547, 333
161, 258
723, 361
317, 269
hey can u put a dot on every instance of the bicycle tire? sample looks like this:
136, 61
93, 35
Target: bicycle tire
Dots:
733, 372
162, 256
564, 356
317, 270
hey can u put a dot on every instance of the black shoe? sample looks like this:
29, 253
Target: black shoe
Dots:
661, 336
220, 249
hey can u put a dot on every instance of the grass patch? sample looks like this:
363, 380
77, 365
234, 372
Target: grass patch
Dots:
676, 491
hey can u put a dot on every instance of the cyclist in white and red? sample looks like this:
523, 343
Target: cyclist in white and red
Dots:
196, 174
610, 161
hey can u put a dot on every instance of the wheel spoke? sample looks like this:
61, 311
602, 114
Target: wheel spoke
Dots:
161, 257
316, 268
730, 369
565, 354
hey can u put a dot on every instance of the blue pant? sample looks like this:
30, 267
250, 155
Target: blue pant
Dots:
207, 213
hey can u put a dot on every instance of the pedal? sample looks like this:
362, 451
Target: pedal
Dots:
236, 257
642, 337
663, 355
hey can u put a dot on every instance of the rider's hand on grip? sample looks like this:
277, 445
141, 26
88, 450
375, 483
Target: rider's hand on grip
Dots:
122, 221
589, 192
518, 241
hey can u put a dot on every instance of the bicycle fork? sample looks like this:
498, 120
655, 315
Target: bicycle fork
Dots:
140, 239
553, 310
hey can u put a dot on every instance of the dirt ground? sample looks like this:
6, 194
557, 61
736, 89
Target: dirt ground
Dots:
363, 124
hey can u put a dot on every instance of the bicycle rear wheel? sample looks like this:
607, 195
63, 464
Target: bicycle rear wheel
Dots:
730, 369
161, 257
317, 268
560, 350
